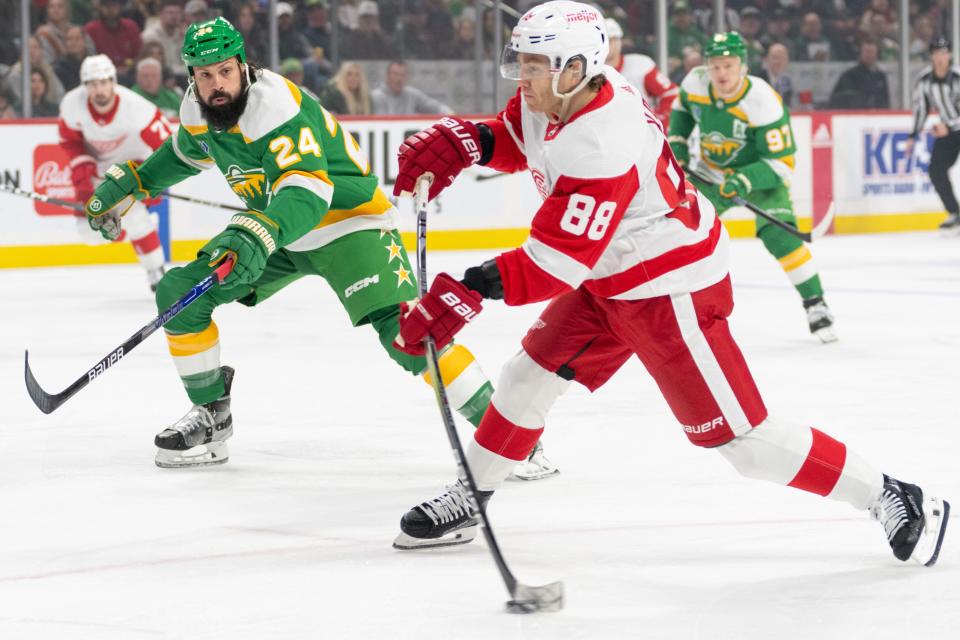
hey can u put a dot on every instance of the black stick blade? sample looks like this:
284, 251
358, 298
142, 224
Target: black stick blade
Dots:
44, 401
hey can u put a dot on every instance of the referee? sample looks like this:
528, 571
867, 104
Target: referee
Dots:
938, 88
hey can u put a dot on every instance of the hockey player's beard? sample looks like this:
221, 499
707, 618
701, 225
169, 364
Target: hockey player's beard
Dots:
223, 117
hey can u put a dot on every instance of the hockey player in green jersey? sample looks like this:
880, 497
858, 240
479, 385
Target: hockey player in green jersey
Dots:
747, 145
314, 208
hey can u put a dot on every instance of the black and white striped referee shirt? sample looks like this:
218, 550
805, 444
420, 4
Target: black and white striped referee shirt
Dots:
940, 94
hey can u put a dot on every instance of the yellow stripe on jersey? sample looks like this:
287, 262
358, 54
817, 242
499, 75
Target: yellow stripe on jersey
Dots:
790, 161
188, 344
738, 113
698, 99
796, 258
320, 175
236, 129
196, 129
295, 92
377, 205
452, 363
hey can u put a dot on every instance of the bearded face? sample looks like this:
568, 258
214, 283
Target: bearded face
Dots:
222, 91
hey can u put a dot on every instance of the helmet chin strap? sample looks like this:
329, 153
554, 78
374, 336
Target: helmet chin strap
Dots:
564, 112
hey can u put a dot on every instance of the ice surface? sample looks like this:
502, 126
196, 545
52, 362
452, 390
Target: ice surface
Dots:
653, 537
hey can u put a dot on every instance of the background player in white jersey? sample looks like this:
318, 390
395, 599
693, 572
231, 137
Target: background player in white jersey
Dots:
642, 72
634, 262
102, 123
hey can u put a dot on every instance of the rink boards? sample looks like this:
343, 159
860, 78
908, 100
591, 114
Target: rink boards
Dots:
855, 160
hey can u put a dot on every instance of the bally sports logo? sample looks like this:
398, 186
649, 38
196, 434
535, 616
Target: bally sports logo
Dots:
51, 177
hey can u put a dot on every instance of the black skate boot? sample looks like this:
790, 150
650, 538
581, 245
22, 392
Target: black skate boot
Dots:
820, 319
441, 522
914, 525
199, 438
952, 223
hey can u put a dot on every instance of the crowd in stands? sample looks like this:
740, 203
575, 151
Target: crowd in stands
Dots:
143, 38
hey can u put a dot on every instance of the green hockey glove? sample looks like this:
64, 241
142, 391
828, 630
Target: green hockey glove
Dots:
120, 188
249, 239
681, 150
735, 184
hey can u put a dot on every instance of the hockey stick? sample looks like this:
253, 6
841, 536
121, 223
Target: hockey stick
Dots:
78, 206
803, 235
48, 403
207, 203
17, 191
523, 598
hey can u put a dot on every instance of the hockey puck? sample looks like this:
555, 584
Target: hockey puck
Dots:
522, 606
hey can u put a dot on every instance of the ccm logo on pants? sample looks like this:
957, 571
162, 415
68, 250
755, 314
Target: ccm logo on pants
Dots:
361, 284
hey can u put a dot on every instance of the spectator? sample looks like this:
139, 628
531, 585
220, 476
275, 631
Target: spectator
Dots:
877, 31
39, 88
14, 76
922, 37
461, 47
778, 29
775, 72
150, 85
750, 30
118, 38
880, 19
683, 31
348, 92
348, 14
168, 31
196, 11
439, 22
416, 41
254, 36
843, 36
368, 42
692, 58
396, 98
318, 28
292, 70
811, 45
7, 101
67, 67
290, 40
53, 33
863, 86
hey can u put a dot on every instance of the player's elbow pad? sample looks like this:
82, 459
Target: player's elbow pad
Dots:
485, 280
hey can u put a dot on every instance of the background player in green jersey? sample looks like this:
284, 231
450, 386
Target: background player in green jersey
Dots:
314, 208
747, 145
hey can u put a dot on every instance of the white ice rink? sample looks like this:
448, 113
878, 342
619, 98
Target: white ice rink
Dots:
653, 537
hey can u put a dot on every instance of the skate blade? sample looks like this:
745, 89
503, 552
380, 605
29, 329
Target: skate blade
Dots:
936, 514
531, 471
460, 536
826, 335
202, 455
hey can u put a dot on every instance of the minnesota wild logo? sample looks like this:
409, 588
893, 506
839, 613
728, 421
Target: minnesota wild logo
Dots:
719, 149
246, 183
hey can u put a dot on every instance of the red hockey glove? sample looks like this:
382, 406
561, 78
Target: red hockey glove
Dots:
446, 308
445, 149
82, 177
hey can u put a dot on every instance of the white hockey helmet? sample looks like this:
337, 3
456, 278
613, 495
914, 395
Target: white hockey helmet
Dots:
98, 67
562, 31
613, 28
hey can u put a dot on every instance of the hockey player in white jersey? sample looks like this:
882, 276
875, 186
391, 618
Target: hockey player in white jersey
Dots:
102, 123
634, 262
642, 72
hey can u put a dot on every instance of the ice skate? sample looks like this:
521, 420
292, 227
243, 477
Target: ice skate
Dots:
198, 439
154, 276
820, 319
536, 466
951, 225
914, 523
444, 521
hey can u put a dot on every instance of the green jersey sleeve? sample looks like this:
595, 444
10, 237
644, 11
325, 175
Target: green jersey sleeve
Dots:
772, 137
178, 158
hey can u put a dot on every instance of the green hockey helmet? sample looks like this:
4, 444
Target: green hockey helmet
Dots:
211, 42
727, 44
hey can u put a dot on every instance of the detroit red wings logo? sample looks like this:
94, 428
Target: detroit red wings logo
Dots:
541, 181
104, 147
